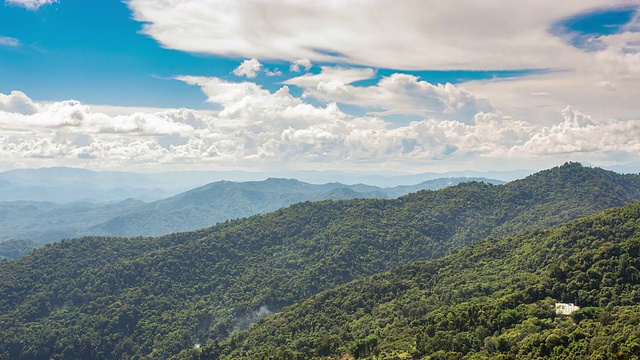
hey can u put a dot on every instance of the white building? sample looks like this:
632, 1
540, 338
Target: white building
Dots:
566, 309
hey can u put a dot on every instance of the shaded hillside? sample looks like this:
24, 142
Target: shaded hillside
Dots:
225, 200
14, 249
221, 201
46, 221
492, 299
194, 209
435, 184
120, 298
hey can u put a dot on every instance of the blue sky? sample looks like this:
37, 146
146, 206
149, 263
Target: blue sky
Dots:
533, 68
67, 48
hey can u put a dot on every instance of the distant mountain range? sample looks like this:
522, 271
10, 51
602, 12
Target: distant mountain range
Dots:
65, 185
194, 209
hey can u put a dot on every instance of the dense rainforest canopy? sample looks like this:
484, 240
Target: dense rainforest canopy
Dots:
493, 299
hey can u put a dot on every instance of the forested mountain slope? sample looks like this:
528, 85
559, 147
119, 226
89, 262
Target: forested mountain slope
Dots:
493, 299
191, 210
225, 200
221, 201
123, 298
47, 221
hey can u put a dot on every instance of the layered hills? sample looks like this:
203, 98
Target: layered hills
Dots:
194, 209
101, 297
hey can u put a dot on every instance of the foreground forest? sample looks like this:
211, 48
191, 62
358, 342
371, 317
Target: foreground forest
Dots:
125, 298
493, 299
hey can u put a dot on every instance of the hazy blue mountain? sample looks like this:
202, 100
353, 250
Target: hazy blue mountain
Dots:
16, 248
435, 184
65, 185
225, 200
220, 201
48, 221
193, 209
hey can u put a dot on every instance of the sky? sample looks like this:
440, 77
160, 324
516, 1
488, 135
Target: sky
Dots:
268, 85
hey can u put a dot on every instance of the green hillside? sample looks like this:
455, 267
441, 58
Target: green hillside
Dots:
217, 202
493, 299
94, 298
194, 209
225, 200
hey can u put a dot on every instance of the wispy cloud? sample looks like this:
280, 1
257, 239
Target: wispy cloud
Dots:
9, 41
396, 94
410, 34
30, 4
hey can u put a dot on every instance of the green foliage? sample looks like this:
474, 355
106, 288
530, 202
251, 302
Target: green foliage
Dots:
224, 200
492, 299
94, 298
194, 209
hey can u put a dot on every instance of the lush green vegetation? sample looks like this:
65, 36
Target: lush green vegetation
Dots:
96, 298
225, 200
492, 299
191, 210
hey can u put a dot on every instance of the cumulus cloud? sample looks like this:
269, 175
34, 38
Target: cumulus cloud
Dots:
9, 41
579, 133
249, 68
395, 94
30, 4
259, 127
17, 102
299, 64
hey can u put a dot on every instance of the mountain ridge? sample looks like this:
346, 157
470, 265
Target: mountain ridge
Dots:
194, 209
153, 297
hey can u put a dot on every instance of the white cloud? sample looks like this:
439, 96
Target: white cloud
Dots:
256, 127
274, 72
17, 102
9, 41
332, 73
420, 35
299, 64
605, 87
411, 34
249, 68
395, 94
578, 133
30, 4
